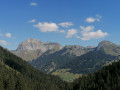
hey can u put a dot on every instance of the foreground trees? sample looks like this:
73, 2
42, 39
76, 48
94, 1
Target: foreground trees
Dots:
108, 78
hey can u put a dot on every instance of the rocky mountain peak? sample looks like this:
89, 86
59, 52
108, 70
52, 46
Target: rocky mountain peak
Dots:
109, 48
105, 44
35, 44
31, 44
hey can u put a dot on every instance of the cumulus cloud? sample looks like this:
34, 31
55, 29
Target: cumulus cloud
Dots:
93, 19
71, 32
3, 42
32, 21
47, 27
88, 33
66, 24
33, 4
90, 19
8, 35
87, 29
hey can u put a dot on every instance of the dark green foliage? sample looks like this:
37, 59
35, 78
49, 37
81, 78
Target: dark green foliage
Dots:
16, 74
44, 62
108, 78
89, 62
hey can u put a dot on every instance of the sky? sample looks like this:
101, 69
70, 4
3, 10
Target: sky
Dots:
68, 22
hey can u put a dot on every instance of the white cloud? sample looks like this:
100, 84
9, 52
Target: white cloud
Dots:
8, 35
47, 27
3, 42
87, 29
88, 33
33, 4
90, 19
71, 32
66, 24
32, 21
93, 19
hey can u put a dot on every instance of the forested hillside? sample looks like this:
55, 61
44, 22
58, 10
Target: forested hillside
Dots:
16, 74
108, 78
89, 62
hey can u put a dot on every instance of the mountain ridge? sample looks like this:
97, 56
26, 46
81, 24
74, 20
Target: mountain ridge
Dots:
35, 44
54, 59
32, 49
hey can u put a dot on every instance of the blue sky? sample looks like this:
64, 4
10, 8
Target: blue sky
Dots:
68, 22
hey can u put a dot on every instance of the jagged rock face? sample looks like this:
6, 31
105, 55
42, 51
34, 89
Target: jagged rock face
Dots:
31, 44
31, 49
34, 44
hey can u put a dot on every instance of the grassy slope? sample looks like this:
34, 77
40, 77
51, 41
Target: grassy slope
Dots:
66, 75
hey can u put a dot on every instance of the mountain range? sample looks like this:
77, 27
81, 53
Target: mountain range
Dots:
51, 56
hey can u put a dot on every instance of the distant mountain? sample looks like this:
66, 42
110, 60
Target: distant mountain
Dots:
35, 44
51, 56
33, 48
75, 50
104, 53
16, 74
48, 56
109, 48
89, 62
49, 62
